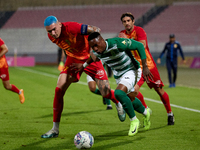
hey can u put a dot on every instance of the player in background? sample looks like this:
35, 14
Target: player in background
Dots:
172, 47
72, 38
113, 52
137, 33
4, 74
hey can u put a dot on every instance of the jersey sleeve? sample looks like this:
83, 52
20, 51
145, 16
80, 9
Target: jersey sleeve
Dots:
1, 42
163, 52
128, 44
141, 34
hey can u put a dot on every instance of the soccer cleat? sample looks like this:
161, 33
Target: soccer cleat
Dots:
21, 96
121, 113
50, 134
134, 127
150, 111
109, 107
146, 120
171, 120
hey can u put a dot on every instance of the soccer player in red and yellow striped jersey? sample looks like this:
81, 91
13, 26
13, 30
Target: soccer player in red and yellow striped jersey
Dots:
4, 74
137, 33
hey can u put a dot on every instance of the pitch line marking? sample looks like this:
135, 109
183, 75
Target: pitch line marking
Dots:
84, 83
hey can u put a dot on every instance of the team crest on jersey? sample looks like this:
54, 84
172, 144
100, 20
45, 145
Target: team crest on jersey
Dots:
175, 45
3, 76
100, 73
124, 42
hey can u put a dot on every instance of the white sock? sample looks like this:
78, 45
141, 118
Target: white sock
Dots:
109, 105
131, 119
56, 126
20, 92
119, 104
170, 114
145, 112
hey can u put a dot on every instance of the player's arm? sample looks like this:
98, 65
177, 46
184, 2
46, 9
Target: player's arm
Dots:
181, 52
161, 55
4, 50
128, 45
87, 29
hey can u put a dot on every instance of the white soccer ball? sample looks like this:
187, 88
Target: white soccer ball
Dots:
83, 140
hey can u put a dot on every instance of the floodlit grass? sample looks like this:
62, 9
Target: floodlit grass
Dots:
23, 124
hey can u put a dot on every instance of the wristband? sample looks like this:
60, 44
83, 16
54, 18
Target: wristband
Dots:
85, 64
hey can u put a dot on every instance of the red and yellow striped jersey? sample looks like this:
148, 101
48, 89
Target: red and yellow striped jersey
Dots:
139, 34
72, 41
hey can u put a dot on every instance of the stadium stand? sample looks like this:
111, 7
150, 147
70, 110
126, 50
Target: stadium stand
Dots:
24, 29
180, 19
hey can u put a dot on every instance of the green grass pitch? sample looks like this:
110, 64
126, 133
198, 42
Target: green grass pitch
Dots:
21, 125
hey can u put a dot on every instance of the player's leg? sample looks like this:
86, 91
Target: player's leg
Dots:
11, 87
125, 85
168, 65
139, 94
64, 81
97, 72
165, 99
106, 92
93, 89
174, 69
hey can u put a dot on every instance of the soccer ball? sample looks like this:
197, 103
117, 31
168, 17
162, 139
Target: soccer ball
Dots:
83, 140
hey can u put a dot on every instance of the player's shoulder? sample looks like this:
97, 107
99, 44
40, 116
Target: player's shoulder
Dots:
138, 28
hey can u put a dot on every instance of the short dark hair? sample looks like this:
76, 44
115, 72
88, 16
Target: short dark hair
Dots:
127, 14
93, 35
171, 36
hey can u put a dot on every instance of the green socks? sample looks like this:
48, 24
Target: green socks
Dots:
138, 105
126, 102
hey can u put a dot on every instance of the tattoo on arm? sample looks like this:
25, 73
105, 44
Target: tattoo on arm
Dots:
91, 29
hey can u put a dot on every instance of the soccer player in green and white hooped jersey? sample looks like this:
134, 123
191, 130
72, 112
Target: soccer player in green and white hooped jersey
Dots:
115, 53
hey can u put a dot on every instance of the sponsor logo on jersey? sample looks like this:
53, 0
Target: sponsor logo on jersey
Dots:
127, 78
100, 73
175, 45
158, 82
3, 76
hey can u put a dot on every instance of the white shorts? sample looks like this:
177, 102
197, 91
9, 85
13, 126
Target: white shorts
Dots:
129, 79
89, 79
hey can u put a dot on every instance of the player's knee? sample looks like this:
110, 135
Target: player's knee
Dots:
7, 86
119, 94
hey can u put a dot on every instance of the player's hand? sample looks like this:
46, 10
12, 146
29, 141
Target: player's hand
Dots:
147, 74
122, 35
158, 61
78, 67
184, 61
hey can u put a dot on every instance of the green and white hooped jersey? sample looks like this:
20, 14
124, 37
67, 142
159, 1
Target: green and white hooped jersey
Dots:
115, 55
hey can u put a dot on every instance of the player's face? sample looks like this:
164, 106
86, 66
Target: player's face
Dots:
98, 45
54, 29
172, 40
128, 23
